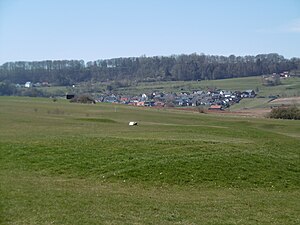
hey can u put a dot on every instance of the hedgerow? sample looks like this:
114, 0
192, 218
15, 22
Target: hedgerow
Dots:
291, 113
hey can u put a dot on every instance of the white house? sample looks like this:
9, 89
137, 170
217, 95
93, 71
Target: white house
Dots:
28, 84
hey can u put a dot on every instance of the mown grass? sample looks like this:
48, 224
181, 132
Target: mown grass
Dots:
63, 163
34, 199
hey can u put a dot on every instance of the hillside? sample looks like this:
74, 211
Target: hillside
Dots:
128, 71
288, 88
67, 163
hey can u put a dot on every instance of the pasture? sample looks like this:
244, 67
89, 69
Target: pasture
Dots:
68, 163
289, 87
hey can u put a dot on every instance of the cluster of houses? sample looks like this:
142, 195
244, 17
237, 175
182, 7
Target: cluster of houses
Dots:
29, 84
274, 79
284, 74
212, 99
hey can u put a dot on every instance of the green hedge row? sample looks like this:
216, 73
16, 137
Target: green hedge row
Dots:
291, 113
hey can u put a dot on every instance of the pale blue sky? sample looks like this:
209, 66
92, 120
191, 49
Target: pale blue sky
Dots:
91, 30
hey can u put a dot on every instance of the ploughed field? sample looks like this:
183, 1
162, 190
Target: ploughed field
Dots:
68, 163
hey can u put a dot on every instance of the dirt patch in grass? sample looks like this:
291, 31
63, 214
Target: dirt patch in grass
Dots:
249, 112
243, 112
98, 120
287, 101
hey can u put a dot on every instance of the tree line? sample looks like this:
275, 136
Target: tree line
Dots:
158, 68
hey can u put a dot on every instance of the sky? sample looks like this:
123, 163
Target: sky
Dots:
35, 30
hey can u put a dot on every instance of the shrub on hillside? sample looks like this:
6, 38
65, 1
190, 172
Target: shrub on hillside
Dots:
291, 113
201, 109
83, 99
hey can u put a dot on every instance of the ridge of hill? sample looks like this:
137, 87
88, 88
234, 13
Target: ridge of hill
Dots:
136, 69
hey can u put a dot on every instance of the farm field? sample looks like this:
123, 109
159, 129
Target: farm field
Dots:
289, 87
68, 163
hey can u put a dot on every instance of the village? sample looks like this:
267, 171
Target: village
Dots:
211, 99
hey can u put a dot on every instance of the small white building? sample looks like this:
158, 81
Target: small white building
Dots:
28, 84
144, 97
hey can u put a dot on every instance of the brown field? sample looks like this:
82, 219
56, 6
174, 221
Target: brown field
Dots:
257, 112
286, 101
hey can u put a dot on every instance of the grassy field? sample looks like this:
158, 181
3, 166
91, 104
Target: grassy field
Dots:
67, 163
289, 87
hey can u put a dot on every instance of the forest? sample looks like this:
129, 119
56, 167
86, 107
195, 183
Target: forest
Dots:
157, 68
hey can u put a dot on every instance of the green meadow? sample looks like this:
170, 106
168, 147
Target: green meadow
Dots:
288, 88
68, 163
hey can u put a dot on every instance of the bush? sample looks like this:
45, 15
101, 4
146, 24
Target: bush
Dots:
83, 99
201, 109
291, 113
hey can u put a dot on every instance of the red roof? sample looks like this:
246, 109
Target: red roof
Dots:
215, 107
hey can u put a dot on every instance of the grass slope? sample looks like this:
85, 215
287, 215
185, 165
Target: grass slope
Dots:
63, 163
289, 87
